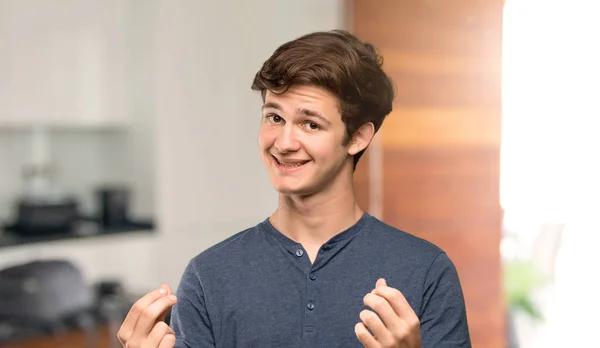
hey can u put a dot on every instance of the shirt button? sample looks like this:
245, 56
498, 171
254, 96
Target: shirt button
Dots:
312, 276
310, 306
299, 252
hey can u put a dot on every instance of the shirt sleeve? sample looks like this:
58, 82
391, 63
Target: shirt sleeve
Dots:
189, 318
443, 314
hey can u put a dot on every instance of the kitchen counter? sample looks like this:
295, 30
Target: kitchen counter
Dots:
9, 238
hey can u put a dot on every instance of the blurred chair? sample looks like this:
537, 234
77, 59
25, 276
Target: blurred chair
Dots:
47, 296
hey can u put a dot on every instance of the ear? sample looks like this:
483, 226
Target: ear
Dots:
361, 138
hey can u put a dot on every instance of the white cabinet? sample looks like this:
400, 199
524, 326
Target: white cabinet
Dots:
63, 63
130, 257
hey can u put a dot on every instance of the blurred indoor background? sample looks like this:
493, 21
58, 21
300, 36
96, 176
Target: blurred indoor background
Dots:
128, 145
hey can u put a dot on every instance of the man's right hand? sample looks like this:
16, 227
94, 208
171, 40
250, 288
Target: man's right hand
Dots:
144, 326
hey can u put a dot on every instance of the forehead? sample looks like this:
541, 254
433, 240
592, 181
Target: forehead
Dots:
305, 96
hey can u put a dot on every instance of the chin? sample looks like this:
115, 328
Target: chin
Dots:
294, 190
288, 188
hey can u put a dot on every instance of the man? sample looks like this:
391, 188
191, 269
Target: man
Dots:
319, 272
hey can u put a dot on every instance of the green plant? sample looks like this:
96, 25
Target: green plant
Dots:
521, 278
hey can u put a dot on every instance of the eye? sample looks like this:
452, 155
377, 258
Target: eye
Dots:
312, 126
274, 118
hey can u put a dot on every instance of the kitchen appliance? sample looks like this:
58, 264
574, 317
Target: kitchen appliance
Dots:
44, 218
43, 207
113, 202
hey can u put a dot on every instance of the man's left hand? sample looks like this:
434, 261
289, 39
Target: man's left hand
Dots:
394, 325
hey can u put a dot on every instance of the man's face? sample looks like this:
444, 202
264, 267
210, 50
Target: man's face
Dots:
301, 139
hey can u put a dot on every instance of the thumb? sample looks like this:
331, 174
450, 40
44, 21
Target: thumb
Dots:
380, 282
167, 287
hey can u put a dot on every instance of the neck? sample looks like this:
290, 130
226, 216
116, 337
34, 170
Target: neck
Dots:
314, 219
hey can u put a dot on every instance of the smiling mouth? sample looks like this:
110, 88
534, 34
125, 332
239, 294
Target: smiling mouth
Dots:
289, 164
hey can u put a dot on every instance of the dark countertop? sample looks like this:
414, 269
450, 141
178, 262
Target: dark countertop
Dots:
9, 238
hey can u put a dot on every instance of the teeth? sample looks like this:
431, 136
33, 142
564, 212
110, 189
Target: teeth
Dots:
292, 164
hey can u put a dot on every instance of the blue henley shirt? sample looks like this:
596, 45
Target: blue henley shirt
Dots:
258, 288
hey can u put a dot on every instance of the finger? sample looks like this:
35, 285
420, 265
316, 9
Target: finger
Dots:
365, 337
157, 334
168, 341
150, 316
168, 288
398, 302
163, 316
380, 282
126, 329
383, 308
376, 326
169, 293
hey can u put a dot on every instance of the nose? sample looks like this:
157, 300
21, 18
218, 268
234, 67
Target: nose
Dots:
286, 141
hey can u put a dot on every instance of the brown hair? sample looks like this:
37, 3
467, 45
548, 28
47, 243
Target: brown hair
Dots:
341, 63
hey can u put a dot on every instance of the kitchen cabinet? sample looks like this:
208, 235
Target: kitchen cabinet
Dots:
133, 256
63, 63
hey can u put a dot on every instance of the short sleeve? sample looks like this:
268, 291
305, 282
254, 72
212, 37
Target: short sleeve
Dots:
443, 313
189, 318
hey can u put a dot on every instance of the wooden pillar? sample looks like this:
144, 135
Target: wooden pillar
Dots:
440, 147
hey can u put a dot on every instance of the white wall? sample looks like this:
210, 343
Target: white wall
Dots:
84, 156
192, 151
211, 182
87, 157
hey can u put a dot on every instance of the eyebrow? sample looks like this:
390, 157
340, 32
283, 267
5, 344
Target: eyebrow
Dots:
307, 112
